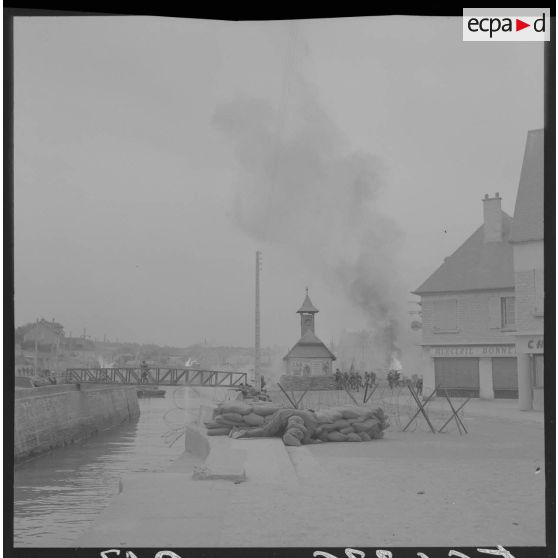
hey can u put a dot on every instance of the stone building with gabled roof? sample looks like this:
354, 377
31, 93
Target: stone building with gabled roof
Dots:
468, 312
310, 356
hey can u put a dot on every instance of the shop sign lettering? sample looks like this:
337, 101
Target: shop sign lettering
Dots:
474, 351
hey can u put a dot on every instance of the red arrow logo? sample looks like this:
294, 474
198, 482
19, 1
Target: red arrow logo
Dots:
519, 25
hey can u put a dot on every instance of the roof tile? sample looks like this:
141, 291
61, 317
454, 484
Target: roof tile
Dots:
528, 219
475, 265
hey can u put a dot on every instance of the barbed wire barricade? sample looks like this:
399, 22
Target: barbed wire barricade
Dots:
397, 403
179, 415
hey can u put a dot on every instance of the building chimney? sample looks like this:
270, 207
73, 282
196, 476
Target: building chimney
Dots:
493, 218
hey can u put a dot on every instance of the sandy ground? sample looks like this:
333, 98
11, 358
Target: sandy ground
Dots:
483, 488
409, 489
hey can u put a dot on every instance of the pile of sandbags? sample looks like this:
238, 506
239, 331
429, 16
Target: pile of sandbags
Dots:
241, 414
336, 424
351, 424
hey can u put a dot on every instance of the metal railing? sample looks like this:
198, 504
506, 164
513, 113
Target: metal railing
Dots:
155, 376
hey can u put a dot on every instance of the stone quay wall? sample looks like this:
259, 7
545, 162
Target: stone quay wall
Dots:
54, 416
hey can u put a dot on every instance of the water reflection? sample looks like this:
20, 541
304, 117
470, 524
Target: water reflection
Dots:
58, 495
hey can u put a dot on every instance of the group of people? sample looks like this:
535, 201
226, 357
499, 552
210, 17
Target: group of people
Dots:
354, 380
394, 380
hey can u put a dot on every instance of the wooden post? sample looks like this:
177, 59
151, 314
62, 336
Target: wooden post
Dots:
287, 396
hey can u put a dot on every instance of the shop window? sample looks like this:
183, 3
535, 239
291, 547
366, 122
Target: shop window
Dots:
444, 315
538, 371
507, 307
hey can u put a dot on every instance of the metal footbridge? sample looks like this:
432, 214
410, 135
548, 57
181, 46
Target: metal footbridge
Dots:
156, 376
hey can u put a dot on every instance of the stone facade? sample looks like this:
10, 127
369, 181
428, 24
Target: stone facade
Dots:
478, 318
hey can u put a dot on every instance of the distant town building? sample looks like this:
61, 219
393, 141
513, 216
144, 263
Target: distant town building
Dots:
44, 333
468, 311
310, 356
79, 344
527, 238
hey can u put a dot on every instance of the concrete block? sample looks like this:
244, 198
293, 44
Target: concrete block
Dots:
223, 463
196, 441
307, 468
267, 461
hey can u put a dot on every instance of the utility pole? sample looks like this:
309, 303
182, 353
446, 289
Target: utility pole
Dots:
257, 352
35, 359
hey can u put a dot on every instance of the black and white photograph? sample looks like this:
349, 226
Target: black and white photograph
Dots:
280, 283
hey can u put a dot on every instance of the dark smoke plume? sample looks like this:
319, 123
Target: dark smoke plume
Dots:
300, 186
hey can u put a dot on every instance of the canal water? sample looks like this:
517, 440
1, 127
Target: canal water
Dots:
57, 496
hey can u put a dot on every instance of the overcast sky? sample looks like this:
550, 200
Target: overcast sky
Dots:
153, 156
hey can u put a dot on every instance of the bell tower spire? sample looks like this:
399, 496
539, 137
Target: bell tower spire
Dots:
307, 312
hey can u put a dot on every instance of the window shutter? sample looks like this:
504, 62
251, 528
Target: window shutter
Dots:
494, 312
444, 314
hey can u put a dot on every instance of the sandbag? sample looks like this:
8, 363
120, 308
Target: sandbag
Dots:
296, 421
375, 432
235, 417
253, 419
221, 420
213, 425
336, 437
347, 430
364, 436
218, 431
328, 427
351, 414
235, 407
328, 415
296, 432
341, 423
290, 440
378, 412
366, 425
265, 410
352, 437
323, 436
